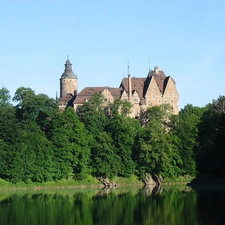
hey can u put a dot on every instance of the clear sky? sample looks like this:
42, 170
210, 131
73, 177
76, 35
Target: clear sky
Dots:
185, 39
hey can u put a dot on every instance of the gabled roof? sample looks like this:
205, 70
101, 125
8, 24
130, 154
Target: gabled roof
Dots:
141, 84
66, 98
89, 91
137, 85
159, 78
167, 80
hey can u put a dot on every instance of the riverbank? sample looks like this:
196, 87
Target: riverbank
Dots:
89, 182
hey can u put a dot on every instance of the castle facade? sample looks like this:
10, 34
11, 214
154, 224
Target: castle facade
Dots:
155, 89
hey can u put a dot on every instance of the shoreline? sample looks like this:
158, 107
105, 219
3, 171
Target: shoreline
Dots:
195, 184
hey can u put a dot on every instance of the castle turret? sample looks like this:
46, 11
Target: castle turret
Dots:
68, 81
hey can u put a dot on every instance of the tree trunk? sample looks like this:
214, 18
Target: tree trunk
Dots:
148, 180
107, 182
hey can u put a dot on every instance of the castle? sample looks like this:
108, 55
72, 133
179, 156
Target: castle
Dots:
155, 89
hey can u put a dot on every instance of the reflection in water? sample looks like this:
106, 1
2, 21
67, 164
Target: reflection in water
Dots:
168, 206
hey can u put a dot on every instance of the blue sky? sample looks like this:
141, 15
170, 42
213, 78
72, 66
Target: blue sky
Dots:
185, 39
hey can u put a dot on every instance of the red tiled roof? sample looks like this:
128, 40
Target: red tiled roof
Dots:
137, 85
159, 78
89, 91
65, 98
140, 85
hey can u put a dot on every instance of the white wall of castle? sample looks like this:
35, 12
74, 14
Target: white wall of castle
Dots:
171, 96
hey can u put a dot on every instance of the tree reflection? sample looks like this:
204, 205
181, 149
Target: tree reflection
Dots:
127, 206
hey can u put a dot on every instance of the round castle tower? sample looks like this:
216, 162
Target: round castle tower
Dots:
68, 81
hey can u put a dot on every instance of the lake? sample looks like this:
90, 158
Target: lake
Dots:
179, 205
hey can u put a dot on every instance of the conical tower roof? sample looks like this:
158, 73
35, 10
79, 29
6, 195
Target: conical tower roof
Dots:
68, 73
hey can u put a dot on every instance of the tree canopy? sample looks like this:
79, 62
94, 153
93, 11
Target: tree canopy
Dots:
39, 143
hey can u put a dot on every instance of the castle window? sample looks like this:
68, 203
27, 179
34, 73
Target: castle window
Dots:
135, 100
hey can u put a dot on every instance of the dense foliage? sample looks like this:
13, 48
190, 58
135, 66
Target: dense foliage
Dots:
38, 143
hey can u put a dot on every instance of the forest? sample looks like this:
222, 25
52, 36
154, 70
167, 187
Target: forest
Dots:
39, 144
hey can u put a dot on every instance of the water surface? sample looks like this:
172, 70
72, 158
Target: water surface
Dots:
121, 206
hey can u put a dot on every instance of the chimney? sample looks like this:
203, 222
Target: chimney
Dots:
156, 70
129, 88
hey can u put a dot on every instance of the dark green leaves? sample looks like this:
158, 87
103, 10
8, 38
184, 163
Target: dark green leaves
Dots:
4, 98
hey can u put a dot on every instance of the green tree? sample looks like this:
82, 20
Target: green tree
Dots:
119, 107
25, 151
123, 130
30, 106
36, 154
104, 160
187, 132
211, 149
10, 136
4, 98
10, 162
154, 152
9, 125
71, 143
29, 157
93, 114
